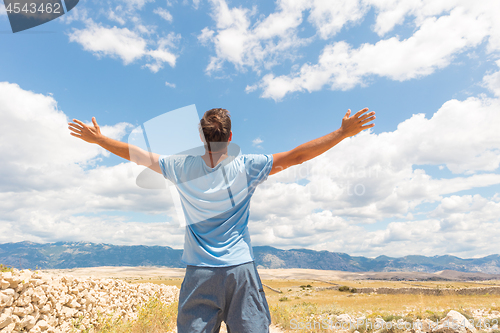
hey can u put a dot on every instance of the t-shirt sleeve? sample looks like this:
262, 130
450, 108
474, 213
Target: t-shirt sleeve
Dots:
167, 167
258, 167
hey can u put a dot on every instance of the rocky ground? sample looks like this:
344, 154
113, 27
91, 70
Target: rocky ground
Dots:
453, 322
37, 302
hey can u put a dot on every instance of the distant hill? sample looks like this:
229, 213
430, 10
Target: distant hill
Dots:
82, 254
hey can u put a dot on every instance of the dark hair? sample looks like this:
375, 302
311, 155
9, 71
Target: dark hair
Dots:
216, 127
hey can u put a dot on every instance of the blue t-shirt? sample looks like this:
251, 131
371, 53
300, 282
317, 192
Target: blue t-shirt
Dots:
216, 203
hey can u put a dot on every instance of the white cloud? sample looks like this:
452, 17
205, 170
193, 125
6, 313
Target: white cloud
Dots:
129, 14
257, 141
244, 44
392, 12
492, 81
114, 42
125, 44
78, 13
136, 4
370, 178
133, 41
341, 67
44, 226
205, 36
115, 17
164, 14
271, 39
52, 188
162, 54
50, 182
329, 20
171, 85
443, 30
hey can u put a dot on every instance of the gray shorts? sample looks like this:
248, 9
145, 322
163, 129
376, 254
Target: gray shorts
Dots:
234, 294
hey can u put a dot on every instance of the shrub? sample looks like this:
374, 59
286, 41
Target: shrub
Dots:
391, 317
435, 316
5, 268
154, 316
466, 313
346, 288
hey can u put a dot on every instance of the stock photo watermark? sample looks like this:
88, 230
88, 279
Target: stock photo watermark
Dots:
366, 324
27, 14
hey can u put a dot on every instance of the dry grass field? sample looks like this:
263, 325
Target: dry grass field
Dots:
301, 299
298, 291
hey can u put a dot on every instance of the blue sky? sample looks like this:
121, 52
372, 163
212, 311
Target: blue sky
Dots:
424, 180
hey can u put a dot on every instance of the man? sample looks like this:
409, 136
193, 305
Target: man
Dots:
221, 281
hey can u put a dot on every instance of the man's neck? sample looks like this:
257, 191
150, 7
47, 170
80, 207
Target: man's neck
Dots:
214, 158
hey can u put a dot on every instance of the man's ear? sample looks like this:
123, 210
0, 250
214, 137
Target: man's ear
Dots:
230, 136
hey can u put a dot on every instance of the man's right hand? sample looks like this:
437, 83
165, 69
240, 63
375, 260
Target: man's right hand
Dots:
350, 126
91, 134
355, 124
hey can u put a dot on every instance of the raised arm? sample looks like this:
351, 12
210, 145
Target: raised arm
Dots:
350, 126
92, 134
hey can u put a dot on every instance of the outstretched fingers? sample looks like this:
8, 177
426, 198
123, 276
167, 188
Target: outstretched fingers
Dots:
366, 115
366, 120
367, 126
360, 112
74, 126
79, 122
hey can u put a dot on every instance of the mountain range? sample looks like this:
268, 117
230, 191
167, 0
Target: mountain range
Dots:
83, 254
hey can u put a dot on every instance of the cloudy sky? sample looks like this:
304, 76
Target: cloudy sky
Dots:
425, 180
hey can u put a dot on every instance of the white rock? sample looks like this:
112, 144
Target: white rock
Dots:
5, 320
23, 311
344, 318
49, 304
6, 298
454, 322
74, 304
23, 300
28, 322
35, 329
6, 276
43, 325
379, 323
9, 328
4, 284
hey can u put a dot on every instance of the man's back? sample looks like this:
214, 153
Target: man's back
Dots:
216, 204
